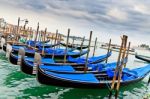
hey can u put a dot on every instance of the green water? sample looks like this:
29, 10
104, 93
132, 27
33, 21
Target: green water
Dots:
17, 85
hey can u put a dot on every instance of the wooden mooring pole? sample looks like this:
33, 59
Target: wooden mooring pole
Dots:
94, 46
117, 67
66, 50
109, 45
55, 43
43, 50
86, 63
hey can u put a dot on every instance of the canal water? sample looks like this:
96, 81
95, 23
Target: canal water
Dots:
16, 85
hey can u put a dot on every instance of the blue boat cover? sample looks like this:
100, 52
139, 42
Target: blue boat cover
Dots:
135, 73
102, 66
26, 49
66, 68
43, 44
90, 60
38, 43
128, 74
44, 60
30, 42
88, 78
16, 47
49, 50
142, 71
110, 72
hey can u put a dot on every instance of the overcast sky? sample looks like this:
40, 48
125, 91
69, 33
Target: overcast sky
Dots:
106, 18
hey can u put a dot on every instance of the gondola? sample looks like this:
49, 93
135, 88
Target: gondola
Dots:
89, 80
59, 54
40, 44
27, 64
29, 43
74, 46
91, 60
143, 58
15, 48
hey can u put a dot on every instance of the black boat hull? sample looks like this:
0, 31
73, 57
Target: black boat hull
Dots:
4, 47
13, 59
142, 58
56, 56
54, 81
26, 68
78, 47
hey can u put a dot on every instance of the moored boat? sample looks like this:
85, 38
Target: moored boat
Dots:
143, 58
89, 80
27, 63
59, 54
74, 46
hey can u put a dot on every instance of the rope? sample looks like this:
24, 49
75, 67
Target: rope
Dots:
107, 84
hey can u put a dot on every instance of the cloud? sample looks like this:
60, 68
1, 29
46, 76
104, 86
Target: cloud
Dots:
117, 14
106, 16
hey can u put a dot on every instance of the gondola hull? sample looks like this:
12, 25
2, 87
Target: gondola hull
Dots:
15, 51
143, 58
72, 46
56, 56
27, 65
4, 47
13, 58
55, 81
26, 68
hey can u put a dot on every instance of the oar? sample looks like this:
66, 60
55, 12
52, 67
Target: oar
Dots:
94, 46
86, 62
55, 43
65, 56
109, 45
120, 69
118, 63
44, 41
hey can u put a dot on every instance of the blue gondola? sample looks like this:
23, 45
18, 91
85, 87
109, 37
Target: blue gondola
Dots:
27, 63
59, 54
89, 80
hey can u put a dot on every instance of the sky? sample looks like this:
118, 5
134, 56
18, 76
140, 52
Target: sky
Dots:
106, 18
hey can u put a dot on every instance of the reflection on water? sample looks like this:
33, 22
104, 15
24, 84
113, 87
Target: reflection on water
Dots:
15, 84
